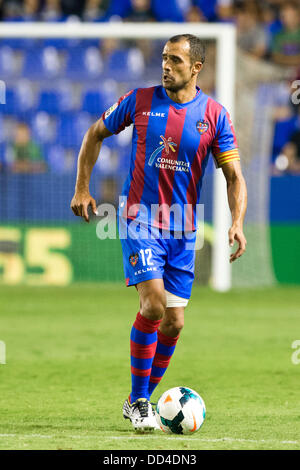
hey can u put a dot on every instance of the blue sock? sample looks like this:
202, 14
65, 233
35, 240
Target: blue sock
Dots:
143, 341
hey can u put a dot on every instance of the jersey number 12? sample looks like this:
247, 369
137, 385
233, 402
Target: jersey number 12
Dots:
146, 257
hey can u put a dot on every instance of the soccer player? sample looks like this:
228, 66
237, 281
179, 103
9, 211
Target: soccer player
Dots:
176, 127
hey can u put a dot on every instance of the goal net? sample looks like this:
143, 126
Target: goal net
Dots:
57, 79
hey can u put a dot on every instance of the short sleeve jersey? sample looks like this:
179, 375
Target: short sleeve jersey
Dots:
171, 145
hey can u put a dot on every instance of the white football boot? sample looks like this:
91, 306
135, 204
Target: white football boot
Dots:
140, 414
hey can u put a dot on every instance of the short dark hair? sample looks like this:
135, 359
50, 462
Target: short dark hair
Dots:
197, 47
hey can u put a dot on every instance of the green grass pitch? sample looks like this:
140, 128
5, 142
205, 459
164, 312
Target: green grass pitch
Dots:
67, 368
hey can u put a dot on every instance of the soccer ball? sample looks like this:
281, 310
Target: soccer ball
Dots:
180, 410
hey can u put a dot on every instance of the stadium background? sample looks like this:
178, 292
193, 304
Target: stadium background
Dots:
55, 88
64, 349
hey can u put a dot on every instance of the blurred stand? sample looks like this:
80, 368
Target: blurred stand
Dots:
285, 45
56, 88
24, 155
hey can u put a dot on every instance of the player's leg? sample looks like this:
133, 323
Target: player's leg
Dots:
167, 337
172, 322
143, 341
178, 281
143, 264
143, 338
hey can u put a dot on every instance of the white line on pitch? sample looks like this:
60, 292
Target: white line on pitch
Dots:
178, 438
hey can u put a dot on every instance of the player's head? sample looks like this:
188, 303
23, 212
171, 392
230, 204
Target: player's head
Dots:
183, 57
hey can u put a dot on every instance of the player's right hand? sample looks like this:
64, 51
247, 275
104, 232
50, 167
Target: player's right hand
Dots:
80, 204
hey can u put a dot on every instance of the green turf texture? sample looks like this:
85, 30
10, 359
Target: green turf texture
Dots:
67, 371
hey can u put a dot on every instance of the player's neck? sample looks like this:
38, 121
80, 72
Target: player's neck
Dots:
185, 95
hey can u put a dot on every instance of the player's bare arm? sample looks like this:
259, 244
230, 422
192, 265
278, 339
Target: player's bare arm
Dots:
237, 200
87, 158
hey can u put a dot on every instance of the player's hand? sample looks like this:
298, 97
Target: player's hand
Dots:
80, 204
236, 233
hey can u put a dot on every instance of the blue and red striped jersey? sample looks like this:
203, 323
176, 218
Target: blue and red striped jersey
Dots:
171, 144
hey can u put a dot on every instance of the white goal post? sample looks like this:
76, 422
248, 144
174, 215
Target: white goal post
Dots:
225, 37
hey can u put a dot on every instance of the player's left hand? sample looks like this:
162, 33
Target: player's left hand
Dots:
236, 233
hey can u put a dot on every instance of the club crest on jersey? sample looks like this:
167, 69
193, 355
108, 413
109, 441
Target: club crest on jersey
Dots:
164, 144
133, 259
202, 126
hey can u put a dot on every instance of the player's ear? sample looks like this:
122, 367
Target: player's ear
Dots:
197, 66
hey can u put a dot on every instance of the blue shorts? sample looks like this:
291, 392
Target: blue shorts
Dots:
149, 254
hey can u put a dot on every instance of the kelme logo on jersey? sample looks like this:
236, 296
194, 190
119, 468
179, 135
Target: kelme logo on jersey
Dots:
165, 144
202, 126
133, 259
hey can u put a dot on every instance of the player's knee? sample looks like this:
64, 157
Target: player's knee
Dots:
178, 325
154, 306
173, 326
